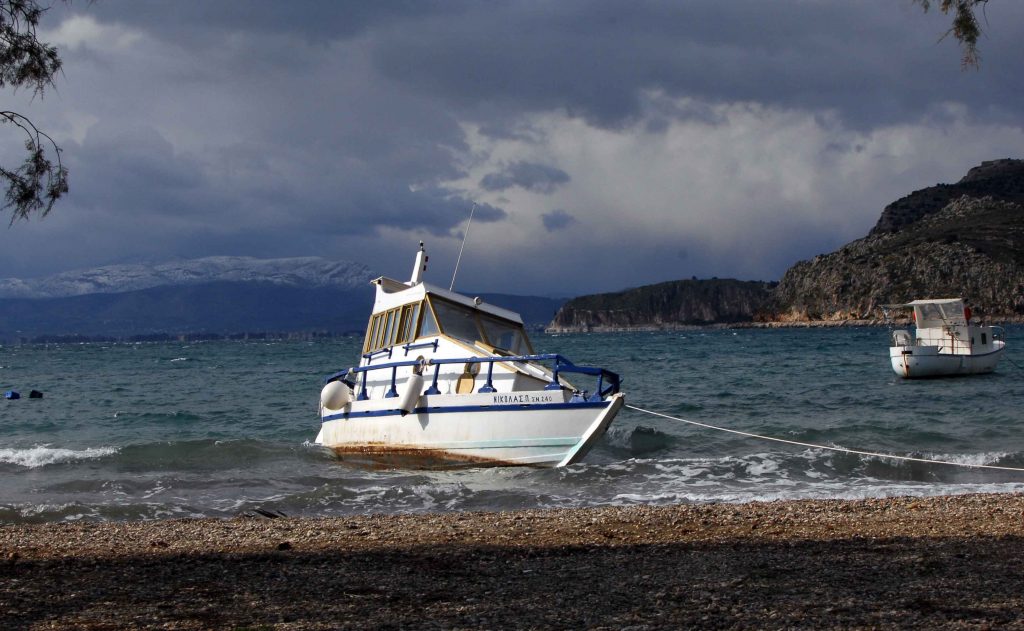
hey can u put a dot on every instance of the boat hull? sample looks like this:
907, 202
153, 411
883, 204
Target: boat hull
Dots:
921, 362
534, 428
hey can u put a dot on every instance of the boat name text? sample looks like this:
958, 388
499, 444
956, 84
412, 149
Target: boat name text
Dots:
524, 398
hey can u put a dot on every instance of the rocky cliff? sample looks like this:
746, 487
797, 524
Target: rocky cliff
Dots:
666, 305
971, 247
998, 179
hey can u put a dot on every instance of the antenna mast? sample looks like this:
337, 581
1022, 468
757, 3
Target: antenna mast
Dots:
465, 236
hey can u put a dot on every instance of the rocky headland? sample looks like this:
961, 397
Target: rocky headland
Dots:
969, 248
948, 240
675, 304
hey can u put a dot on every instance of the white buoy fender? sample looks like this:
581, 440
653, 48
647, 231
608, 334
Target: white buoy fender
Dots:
411, 394
335, 395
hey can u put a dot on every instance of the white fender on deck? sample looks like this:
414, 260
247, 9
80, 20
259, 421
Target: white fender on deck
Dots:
335, 395
411, 395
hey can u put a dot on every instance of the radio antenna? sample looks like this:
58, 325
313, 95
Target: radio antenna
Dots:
465, 236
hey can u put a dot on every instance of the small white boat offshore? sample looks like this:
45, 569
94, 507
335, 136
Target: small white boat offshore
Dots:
447, 380
945, 342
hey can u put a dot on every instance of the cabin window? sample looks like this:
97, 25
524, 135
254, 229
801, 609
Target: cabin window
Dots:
457, 321
401, 315
984, 338
506, 336
377, 330
371, 333
407, 329
391, 327
388, 329
429, 325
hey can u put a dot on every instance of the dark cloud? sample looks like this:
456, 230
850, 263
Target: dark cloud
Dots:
539, 178
314, 21
557, 220
338, 128
869, 61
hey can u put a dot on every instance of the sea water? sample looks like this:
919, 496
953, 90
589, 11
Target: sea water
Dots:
166, 430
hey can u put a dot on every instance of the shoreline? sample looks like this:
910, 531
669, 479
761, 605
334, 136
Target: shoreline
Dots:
945, 561
777, 324
808, 324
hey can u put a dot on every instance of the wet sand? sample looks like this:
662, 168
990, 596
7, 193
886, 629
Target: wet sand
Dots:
945, 562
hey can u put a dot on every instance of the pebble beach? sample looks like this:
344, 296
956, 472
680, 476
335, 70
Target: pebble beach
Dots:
940, 562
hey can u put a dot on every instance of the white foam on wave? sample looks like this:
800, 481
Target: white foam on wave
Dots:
43, 455
989, 458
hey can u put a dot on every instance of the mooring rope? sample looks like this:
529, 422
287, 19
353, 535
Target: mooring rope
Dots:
1019, 367
813, 446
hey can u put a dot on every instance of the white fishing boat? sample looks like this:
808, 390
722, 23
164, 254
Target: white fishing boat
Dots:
448, 380
945, 342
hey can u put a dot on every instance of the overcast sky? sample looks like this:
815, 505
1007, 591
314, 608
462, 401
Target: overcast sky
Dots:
607, 144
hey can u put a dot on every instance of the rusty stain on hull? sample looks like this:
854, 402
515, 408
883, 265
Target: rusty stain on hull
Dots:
392, 457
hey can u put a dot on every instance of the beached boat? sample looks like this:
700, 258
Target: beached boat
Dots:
448, 380
945, 342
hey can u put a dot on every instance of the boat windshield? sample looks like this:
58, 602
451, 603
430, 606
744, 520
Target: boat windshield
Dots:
457, 321
939, 314
505, 335
471, 326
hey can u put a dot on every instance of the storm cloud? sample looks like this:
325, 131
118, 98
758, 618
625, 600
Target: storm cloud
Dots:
557, 220
539, 178
747, 134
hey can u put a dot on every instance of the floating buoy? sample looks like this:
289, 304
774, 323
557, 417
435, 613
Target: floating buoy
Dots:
35, 394
335, 395
12, 394
411, 395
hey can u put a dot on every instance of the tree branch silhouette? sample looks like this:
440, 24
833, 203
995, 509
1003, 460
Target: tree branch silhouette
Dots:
41, 179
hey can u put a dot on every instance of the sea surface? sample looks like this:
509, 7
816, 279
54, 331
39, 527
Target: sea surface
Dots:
169, 430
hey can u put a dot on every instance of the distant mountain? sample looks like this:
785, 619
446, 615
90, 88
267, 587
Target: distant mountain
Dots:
215, 296
213, 308
288, 272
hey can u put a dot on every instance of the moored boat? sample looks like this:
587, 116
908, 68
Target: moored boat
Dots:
448, 380
945, 341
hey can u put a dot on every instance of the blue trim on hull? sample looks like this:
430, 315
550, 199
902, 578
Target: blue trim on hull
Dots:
525, 407
505, 443
952, 355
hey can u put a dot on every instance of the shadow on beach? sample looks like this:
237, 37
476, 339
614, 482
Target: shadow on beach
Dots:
849, 582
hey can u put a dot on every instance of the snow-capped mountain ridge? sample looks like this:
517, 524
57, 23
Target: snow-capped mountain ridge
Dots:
308, 271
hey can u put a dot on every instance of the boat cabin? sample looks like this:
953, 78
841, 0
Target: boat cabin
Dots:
945, 323
407, 314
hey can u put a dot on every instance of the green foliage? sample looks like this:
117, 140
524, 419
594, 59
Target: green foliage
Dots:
41, 179
965, 29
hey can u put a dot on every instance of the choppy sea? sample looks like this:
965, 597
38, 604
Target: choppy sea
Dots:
167, 430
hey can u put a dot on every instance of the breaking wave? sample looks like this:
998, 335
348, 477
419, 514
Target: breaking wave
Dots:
40, 456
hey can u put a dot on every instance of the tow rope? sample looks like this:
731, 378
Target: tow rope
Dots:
813, 446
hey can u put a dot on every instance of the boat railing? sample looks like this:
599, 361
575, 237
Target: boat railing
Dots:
961, 341
998, 333
608, 382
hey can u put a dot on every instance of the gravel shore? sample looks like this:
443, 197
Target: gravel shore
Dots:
943, 562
